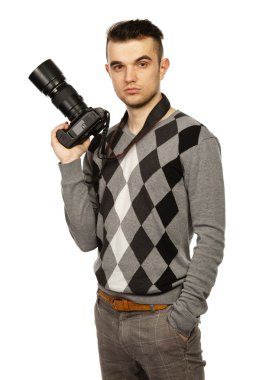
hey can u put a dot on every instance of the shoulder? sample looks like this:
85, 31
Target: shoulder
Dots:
191, 132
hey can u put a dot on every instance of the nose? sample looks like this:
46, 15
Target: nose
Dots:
130, 75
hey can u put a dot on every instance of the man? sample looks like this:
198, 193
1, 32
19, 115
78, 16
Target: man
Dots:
161, 183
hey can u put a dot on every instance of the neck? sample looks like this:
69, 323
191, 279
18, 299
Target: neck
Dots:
138, 116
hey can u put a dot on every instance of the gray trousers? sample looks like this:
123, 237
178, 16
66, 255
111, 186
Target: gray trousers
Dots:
143, 345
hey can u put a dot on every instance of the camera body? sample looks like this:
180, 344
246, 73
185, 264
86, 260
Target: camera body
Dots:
84, 121
91, 122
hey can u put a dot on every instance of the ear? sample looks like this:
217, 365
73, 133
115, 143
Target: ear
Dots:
164, 65
107, 69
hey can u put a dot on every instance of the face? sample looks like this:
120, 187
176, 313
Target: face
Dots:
135, 71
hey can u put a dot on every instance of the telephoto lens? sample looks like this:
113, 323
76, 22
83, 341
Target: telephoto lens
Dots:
85, 121
49, 79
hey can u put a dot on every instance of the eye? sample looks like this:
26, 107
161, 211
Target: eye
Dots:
142, 64
117, 67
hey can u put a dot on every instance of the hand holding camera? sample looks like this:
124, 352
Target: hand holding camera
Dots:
66, 155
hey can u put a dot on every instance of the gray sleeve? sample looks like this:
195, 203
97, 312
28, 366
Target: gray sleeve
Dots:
80, 203
204, 184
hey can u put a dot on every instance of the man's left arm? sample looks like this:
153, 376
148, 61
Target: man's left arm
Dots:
205, 187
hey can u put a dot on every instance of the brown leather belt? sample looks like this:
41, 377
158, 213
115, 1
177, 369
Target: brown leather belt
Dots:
121, 304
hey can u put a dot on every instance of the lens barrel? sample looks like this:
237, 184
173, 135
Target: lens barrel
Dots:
48, 78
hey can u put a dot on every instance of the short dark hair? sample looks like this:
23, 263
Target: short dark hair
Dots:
135, 29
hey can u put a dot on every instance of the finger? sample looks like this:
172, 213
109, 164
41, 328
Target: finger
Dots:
184, 338
54, 131
60, 126
86, 144
87, 141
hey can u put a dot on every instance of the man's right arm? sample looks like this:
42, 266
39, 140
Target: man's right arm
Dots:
79, 199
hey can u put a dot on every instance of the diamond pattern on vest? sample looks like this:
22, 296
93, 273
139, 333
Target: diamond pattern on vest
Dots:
137, 208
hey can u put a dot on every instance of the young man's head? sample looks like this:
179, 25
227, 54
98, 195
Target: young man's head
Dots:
136, 30
135, 61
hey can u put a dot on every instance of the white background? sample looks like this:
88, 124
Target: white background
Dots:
47, 286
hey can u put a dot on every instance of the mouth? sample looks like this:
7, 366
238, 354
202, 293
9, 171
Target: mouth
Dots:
132, 91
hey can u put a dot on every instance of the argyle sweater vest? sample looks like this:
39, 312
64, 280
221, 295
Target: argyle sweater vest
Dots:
143, 211
144, 223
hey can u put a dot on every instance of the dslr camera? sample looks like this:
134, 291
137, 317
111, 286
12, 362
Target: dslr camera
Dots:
84, 121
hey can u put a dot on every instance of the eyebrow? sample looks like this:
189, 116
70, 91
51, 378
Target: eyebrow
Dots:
113, 63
